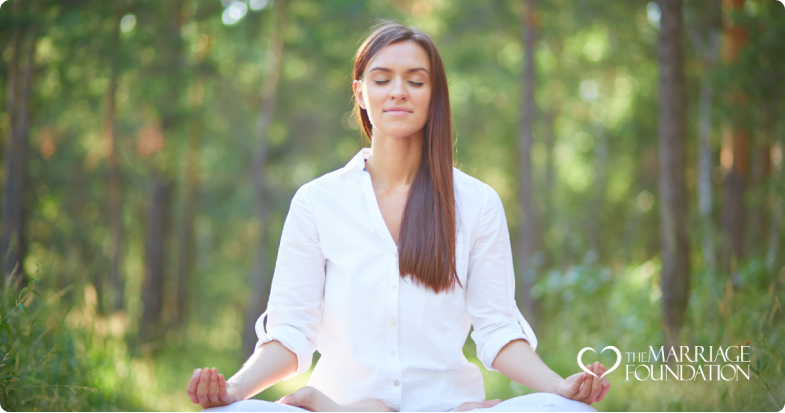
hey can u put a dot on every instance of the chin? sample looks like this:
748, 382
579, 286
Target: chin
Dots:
400, 132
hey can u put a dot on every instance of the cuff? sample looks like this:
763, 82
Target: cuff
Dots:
492, 348
293, 340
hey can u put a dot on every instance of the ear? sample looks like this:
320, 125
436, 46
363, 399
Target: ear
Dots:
357, 87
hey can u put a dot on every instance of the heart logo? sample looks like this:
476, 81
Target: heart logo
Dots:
583, 367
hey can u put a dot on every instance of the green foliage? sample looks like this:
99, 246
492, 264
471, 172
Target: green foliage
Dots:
594, 164
595, 306
45, 365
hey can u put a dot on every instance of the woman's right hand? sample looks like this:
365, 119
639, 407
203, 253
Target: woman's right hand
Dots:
210, 389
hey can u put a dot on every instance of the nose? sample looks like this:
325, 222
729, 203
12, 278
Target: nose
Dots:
398, 91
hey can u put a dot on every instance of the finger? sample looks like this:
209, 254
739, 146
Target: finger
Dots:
575, 384
288, 399
210, 388
596, 385
201, 388
192, 385
213, 393
222, 393
606, 385
585, 391
489, 403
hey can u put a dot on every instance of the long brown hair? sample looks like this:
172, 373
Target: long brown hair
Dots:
426, 247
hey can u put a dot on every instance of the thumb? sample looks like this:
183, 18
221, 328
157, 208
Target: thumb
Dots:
290, 399
574, 384
489, 403
301, 398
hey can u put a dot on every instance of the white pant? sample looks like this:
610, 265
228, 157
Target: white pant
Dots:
534, 402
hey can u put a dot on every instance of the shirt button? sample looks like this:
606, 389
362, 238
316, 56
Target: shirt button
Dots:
393, 287
392, 354
397, 383
392, 322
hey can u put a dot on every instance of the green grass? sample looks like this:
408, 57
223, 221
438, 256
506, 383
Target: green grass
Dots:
61, 358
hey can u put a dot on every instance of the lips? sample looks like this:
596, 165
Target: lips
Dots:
397, 110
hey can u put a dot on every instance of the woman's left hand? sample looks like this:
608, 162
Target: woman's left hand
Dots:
584, 387
310, 398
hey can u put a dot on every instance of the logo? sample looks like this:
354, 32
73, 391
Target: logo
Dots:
1, 5
782, 1
615, 350
682, 364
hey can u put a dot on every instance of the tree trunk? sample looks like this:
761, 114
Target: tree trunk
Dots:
260, 284
776, 193
673, 192
185, 261
550, 180
158, 224
600, 185
705, 164
737, 142
526, 227
19, 87
113, 177
760, 172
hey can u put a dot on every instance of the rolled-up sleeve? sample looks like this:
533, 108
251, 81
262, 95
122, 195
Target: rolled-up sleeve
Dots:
294, 308
490, 287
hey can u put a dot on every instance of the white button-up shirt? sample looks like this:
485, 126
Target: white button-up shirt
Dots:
337, 289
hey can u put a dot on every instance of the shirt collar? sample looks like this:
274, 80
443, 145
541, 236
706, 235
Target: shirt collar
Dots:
358, 161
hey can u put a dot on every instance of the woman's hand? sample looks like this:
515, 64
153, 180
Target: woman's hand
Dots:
584, 387
209, 389
309, 398
465, 407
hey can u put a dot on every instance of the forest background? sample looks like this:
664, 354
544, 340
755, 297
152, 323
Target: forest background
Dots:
150, 150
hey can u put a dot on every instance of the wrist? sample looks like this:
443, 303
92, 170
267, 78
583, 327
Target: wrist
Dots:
552, 385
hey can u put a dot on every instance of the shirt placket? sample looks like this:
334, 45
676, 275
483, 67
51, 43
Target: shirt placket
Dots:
396, 381
393, 279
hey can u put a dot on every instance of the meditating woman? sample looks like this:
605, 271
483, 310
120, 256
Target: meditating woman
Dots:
386, 263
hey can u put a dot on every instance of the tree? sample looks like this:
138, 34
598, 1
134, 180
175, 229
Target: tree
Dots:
260, 289
735, 142
527, 226
12, 249
673, 192
161, 186
707, 45
158, 225
113, 177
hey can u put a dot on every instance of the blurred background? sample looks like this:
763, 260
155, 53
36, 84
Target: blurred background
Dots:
150, 150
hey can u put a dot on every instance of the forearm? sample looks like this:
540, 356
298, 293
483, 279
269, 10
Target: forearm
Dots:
269, 364
520, 363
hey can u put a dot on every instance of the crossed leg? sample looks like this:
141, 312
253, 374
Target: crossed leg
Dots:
255, 405
539, 402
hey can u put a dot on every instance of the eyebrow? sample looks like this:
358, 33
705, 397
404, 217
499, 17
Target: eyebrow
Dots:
384, 69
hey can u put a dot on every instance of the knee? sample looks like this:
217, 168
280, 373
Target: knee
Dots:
557, 403
253, 405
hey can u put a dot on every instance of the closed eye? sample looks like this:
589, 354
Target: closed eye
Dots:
384, 82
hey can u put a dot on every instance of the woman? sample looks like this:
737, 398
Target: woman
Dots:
385, 264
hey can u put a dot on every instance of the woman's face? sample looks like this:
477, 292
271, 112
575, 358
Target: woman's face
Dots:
396, 89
